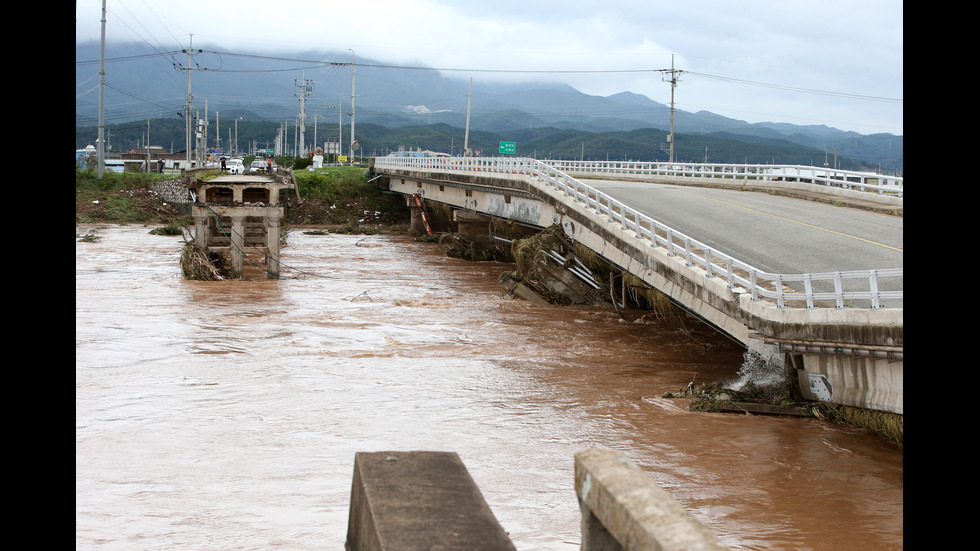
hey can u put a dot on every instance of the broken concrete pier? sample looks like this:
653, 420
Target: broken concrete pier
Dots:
238, 216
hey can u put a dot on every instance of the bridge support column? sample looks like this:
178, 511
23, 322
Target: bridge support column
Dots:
237, 245
202, 233
272, 246
417, 221
472, 224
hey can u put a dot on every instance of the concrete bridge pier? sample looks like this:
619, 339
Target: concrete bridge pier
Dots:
237, 244
472, 224
239, 215
419, 221
271, 225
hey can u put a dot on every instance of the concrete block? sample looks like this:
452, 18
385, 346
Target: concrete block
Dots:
623, 508
419, 500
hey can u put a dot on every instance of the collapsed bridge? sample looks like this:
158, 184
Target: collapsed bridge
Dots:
841, 330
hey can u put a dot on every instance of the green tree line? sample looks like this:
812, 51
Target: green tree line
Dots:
543, 143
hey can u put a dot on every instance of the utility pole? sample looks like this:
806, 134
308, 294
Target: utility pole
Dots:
189, 111
315, 119
466, 136
353, 141
100, 144
305, 89
203, 143
673, 84
198, 132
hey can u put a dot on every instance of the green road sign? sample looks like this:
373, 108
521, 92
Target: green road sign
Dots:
508, 147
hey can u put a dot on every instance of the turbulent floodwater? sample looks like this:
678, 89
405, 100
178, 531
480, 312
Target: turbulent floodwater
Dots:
226, 415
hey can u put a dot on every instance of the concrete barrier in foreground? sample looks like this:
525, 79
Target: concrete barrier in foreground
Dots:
417, 500
623, 508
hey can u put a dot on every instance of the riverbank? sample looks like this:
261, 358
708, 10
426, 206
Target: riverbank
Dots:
340, 196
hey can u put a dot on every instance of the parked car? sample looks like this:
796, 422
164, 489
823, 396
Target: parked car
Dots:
235, 166
258, 165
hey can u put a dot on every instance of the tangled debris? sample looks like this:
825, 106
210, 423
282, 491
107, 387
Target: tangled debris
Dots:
467, 248
782, 400
197, 264
552, 268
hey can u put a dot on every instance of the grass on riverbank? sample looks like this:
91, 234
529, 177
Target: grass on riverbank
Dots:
342, 196
121, 198
334, 196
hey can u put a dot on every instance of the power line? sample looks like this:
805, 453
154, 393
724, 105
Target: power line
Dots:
558, 71
796, 89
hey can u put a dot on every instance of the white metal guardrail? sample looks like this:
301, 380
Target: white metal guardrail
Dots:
846, 179
844, 288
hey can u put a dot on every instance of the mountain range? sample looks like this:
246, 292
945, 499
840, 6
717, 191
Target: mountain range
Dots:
256, 87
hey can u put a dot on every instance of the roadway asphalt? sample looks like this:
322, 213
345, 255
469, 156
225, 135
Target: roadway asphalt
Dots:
774, 233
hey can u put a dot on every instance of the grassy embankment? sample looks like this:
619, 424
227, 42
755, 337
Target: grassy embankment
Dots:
337, 197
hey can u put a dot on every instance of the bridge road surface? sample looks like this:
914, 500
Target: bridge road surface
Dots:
776, 234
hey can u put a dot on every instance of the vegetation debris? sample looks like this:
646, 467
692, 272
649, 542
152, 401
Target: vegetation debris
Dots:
197, 264
784, 399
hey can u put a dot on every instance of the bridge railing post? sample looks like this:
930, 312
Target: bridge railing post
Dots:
779, 291
838, 290
873, 284
808, 286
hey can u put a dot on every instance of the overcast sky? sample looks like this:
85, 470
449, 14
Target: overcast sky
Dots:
832, 62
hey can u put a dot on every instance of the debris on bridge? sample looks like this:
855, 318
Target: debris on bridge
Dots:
469, 248
551, 268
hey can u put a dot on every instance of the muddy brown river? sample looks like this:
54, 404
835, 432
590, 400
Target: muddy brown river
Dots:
226, 415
